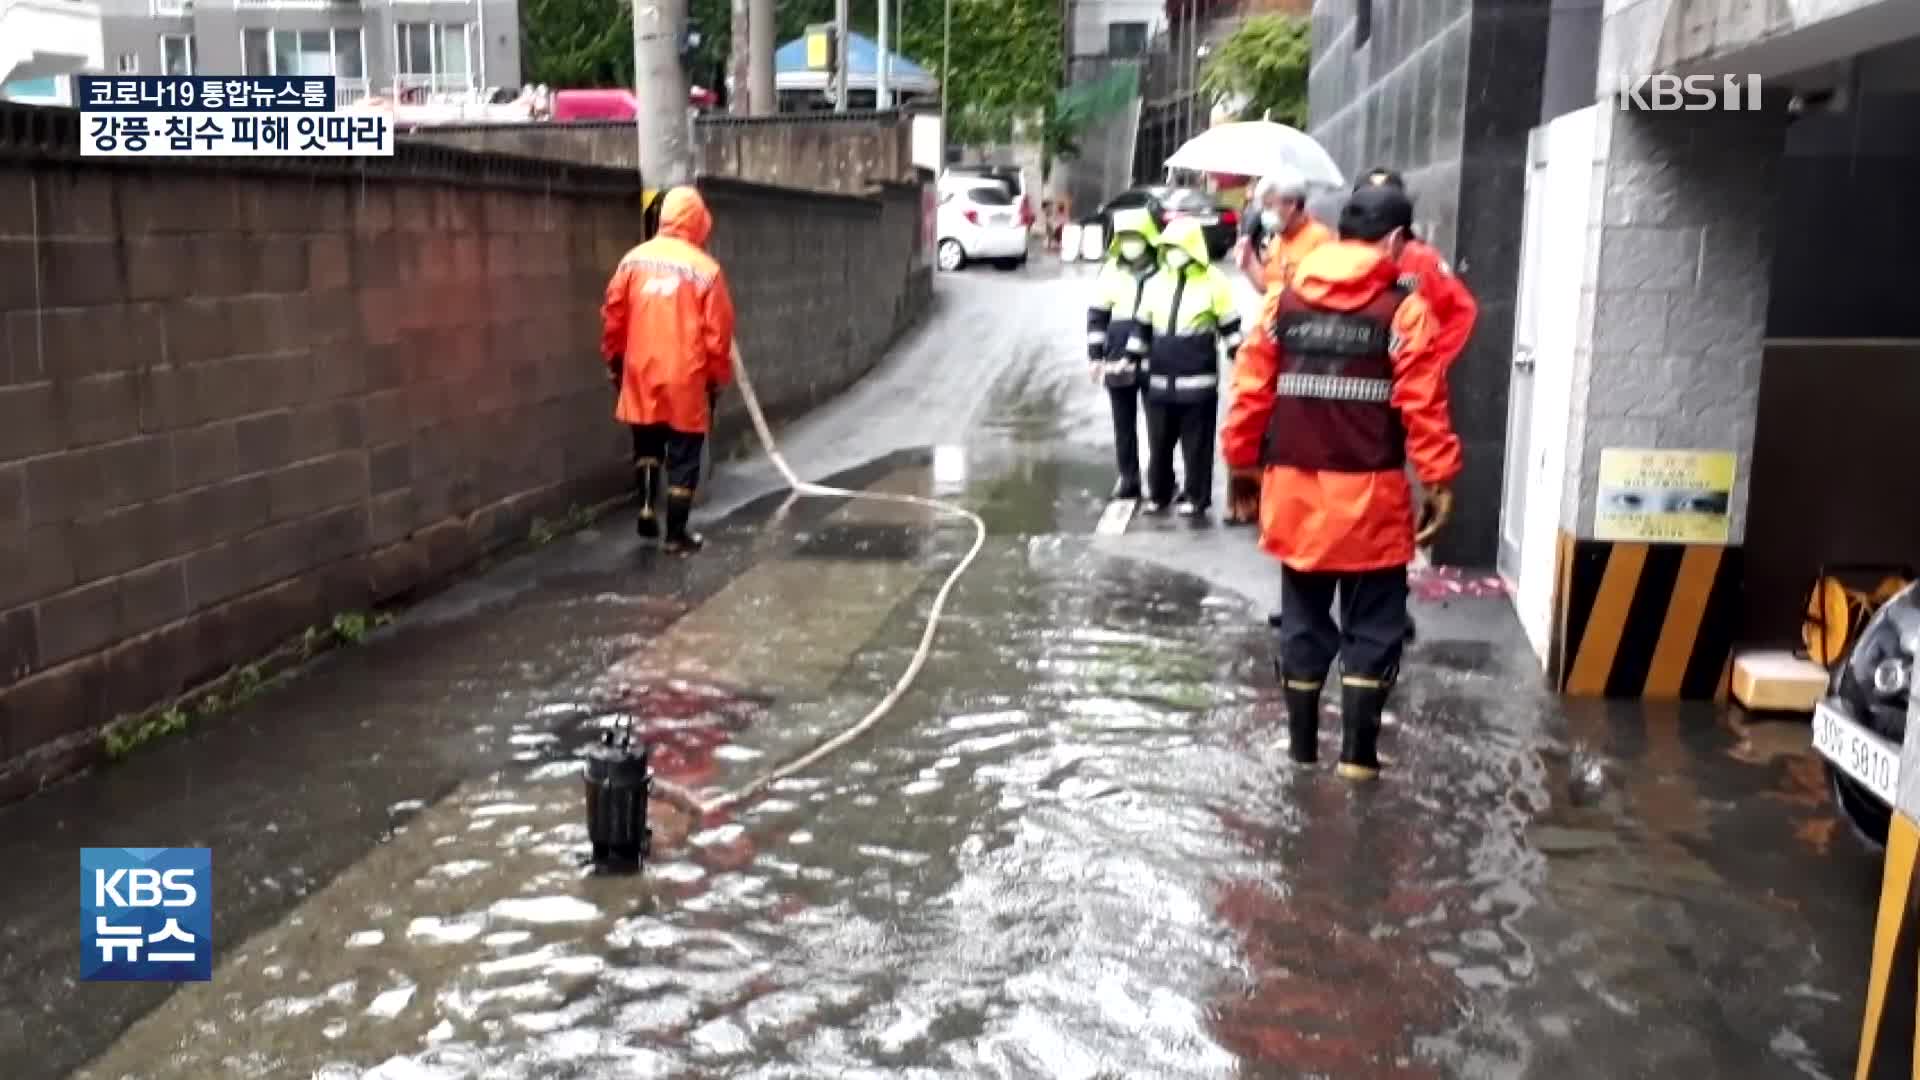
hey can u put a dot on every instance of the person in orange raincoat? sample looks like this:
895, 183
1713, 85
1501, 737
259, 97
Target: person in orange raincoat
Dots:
1339, 388
1423, 270
667, 336
1286, 229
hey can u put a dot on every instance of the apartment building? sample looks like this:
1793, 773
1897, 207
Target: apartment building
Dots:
1115, 28
379, 47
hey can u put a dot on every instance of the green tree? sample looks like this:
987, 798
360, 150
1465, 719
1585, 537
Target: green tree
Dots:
577, 43
1006, 53
1264, 63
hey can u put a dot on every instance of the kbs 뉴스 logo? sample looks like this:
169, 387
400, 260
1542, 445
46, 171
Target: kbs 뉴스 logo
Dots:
146, 914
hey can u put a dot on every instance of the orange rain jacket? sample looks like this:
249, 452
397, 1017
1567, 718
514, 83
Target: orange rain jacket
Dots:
1285, 253
668, 321
1320, 520
1452, 303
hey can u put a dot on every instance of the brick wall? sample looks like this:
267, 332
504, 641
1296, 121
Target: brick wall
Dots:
233, 403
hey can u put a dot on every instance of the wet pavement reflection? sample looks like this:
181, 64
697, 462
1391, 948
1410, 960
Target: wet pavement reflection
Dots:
1076, 850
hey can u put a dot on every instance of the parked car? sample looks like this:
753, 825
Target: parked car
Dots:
1859, 726
1220, 224
979, 222
1014, 179
1170, 204
1151, 196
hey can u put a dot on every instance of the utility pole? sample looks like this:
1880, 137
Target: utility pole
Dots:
840, 28
760, 46
660, 84
880, 99
739, 53
946, 84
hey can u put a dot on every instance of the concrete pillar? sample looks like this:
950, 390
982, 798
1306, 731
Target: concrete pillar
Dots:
1683, 227
1678, 265
760, 48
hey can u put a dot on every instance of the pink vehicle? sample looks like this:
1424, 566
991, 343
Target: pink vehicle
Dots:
610, 104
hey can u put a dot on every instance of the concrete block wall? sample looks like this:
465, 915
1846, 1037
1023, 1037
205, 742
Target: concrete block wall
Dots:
822, 285
234, 403
1683, 229
815, 152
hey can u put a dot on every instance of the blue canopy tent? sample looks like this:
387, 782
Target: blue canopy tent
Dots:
791, 74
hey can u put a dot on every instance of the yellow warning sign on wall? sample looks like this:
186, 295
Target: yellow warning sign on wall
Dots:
1665, 496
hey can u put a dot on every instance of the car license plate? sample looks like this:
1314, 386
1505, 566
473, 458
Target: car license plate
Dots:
1001, 219
1868, 758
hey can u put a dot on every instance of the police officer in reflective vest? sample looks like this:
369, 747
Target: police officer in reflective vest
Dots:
1110, 322
1187, 314
1340, 388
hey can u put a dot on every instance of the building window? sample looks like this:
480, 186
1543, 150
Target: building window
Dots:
1126, 38
308, 52
173, 7
1362, 22
129, 63
176, 54
432, 56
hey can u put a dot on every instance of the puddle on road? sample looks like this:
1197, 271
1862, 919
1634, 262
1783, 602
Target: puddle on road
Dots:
1075, 851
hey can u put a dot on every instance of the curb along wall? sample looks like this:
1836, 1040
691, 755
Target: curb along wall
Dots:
237, 398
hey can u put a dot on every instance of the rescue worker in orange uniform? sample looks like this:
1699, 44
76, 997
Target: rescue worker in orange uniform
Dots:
1287, 229
1423, 270
667, 336
1339, 388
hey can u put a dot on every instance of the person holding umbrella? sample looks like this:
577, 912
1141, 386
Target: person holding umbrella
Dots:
1285, 233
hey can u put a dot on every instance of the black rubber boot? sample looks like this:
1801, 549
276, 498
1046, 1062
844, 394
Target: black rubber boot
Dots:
680, 539
1361, 702
647, 479
1303, 718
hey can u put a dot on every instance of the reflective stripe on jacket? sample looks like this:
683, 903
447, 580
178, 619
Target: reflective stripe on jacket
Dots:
1324, 519
1185, 317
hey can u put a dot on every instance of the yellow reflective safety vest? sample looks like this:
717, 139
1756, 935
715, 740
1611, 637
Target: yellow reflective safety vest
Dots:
1186, 317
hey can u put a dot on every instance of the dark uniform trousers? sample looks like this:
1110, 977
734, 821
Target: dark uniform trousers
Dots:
657, 450
1371, 633
1189, 424
1126, 431
658, 445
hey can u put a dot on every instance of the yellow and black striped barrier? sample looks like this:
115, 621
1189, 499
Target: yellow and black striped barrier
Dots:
1643, 620
1888, 1046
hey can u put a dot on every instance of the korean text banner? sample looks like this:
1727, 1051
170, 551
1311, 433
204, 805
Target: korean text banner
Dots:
205, 93
357, 134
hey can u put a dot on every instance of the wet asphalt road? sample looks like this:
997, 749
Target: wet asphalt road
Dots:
1074, 851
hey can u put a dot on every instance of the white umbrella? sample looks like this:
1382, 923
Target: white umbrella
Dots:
1259, 148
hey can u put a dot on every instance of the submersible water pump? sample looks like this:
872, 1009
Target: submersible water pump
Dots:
618, 783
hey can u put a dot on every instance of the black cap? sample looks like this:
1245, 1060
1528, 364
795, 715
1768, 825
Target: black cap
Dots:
1381, 175
1373, 212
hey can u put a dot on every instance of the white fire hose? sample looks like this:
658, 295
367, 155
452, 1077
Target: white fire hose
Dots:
705, 804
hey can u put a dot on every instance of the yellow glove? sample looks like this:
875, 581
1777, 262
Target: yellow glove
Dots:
1435, 509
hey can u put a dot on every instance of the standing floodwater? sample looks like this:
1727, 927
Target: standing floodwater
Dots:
1077, 848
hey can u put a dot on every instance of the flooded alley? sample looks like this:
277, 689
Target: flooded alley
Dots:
1076, 849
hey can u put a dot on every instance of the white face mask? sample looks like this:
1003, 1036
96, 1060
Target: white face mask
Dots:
1177, 258
1132, 248
1270, 220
